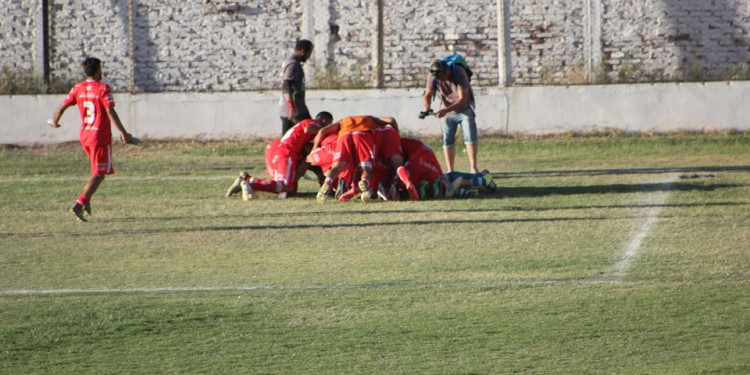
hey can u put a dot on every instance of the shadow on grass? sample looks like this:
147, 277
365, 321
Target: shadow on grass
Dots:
534, 191
299, 226
356, 213
343, 225
620, 171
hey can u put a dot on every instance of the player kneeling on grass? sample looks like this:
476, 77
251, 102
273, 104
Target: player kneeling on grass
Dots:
97, 108
285, 161
355, 148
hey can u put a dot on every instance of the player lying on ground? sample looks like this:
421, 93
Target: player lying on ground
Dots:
431, 182
285, 161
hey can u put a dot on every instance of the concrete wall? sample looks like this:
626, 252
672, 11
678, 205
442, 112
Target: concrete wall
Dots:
531, 110
237, 45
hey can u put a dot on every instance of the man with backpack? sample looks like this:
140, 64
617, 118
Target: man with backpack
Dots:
450, 77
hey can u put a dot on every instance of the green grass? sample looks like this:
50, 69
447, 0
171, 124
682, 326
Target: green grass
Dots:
169, 277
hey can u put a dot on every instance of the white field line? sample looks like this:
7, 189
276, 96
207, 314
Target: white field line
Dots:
631, 251
125, 179
198, 289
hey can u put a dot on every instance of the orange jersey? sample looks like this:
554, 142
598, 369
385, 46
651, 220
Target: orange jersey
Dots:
354, 124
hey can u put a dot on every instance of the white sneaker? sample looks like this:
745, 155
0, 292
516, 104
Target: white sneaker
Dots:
366, 195
237, 185
247, 191
381, 193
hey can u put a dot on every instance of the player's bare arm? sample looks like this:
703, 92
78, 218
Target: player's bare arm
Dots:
58, 114
115, 119
384, 121
322, 133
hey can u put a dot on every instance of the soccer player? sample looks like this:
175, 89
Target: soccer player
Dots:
422, 165
467, 181
285, 161
389, 151
355, 148
425, 172
97, 108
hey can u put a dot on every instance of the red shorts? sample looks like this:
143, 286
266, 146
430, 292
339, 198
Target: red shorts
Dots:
269, 153
283, 167
323, 156
101, 159
387, 142
355, 149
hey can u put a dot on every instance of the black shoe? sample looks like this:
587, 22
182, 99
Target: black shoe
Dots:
75, 210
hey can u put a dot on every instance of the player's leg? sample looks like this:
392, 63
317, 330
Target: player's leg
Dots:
473, 180
269, 154
83, 202
342, 158
364, 148
448, 129
469, 131
101, 165
286, 173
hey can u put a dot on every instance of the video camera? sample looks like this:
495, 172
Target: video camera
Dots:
426, 113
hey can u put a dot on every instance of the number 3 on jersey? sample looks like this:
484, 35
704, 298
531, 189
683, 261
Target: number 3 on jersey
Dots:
90, 115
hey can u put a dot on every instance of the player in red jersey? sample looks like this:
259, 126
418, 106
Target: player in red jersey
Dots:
390, 151
422, 165
97, 108
322, 152
322, 157
426, 173
356, 148
285, 160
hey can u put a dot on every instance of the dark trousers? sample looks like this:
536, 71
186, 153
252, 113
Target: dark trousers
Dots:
287, 124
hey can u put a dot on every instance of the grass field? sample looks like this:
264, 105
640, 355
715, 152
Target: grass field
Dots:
600, 255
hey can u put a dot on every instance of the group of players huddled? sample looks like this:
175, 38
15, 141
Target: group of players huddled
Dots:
362, 157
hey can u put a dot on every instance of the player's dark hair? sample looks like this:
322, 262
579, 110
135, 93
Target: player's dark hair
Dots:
91, 65
324, 115
303, 44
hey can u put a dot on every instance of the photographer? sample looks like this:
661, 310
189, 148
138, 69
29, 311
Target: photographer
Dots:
456, 108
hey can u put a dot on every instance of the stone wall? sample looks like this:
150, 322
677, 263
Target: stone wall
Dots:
415, 35
547, 40
660, 40
20, 32
225, 45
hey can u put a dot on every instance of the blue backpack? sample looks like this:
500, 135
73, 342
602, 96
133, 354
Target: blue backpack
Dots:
452, 61
456, 59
